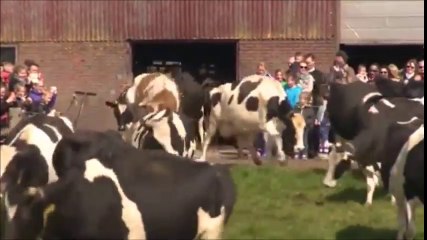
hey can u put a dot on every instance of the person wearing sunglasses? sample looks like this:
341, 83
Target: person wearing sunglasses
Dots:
410, 71
305, 80
384, 72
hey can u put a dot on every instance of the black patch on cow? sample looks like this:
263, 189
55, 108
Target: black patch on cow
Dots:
252, 104
341, 168
246, 88
146, 140
176, 141
272, 108
414, 173
39, 121
234, 84
230, 100
216, 97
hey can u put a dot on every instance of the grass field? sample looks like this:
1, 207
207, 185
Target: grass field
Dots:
280, 203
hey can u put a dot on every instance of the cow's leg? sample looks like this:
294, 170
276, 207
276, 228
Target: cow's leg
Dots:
210, 227
329, 180
240, 146
371, 183
274, 137
249, 143
200, 130
406, 219
393, 199
207, 140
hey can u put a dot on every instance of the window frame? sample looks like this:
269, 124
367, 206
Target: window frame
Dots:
11, 46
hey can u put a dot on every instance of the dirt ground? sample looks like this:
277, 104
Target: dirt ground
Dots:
228, 155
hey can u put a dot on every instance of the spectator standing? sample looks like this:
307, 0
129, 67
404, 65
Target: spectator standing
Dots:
384, 72
6, 72
6, 102
362, 74
307, 111
305, 80
294, 67
278, 75
319, 80
341, 71
292, 90
410, 71
262, 70
42, 101
322, 120
393, 71
34, 69
373, 73
19, 76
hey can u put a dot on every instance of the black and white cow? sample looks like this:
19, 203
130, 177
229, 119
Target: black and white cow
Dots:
403, 172
245, 108
164, 130
359, 109
142, 194
360, 114
26, 156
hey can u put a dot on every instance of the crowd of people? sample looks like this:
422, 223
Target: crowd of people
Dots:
307, 92
23, 87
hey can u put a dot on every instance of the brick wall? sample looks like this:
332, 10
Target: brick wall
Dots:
96, 67
275, 53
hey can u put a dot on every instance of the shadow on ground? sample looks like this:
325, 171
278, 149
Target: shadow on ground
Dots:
363, 232
350, 194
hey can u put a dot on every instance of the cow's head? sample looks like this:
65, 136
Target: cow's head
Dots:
25, 169
122, 110
299, 124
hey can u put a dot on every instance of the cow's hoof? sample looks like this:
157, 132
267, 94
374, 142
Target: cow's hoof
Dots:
330, 183
368, 204
200, 160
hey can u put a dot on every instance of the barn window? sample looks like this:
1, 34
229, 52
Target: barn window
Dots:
8, 54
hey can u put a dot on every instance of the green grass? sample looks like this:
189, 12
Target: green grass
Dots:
280, 203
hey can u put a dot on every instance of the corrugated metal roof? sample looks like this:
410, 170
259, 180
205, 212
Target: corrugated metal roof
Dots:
61, 20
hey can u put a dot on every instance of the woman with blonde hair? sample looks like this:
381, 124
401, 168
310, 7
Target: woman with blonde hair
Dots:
393, 73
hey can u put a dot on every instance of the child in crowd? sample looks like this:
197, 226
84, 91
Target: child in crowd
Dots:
362, 74
322, 120
292, 90
42, 100
307, 111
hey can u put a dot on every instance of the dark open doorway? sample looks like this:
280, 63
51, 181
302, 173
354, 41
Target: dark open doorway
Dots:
382, 54
220, 55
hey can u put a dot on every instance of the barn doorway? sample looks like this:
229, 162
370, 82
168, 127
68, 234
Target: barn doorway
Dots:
219, 57
382, 54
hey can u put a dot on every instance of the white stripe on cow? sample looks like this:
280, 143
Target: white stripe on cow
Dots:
397, 180
371, 95
388, 103
408, 122
130, 213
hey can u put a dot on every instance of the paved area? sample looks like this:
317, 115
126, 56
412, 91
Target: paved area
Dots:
228, 155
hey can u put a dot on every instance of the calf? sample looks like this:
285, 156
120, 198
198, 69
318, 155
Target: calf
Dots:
143, 194
243, 109
26, 157
165, 130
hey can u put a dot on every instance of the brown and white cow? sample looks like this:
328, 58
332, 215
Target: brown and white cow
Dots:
150, 92
243, 109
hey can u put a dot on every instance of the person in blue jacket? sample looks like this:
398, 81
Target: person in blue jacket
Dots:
293, 91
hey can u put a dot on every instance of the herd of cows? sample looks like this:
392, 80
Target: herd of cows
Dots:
143, 181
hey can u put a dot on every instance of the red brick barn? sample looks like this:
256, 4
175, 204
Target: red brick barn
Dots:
97, 45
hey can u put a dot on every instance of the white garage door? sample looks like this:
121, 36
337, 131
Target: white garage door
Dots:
382, 22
